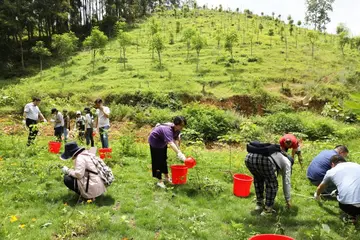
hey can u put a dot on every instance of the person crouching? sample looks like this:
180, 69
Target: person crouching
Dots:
84, 179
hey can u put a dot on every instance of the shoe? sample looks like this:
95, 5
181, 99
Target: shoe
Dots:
168, 180
259, 207
268, 211
349, 219
161, 185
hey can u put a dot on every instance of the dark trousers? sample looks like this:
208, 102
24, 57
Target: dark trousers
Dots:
71, 183
33, 130
350, 209
58, 131
329, 188
158, 161
89, 136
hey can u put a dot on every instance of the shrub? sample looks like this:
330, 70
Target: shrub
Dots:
282, 123
209, 121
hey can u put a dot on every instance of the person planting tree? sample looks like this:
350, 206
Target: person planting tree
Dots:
265, 161
58, 120
80, 125
289, 141
160, 137
346, 177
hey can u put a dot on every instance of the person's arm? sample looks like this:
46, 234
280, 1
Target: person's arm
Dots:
293, 153
80, 168
174, 147
286, 177
41, 116
325, 182
106, 111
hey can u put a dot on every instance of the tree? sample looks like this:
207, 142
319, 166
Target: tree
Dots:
317, 13
188, 34
313, 37
343, 33
199, 43
273, 15
271, 34
41, 51
261, 27
157, 44
218, 37
124, 40
230, 40
65, 44
96, 42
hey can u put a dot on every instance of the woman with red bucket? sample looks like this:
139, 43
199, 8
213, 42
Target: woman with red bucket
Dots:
265, 161
161, 136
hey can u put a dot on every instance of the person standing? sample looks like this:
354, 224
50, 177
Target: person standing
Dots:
346, 177
89, 127
160, 137
289, 141
32, 114
66, 124
321, 164
80, 125
58, 120
102, 122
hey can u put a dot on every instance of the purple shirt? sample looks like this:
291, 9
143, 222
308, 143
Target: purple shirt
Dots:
161, 135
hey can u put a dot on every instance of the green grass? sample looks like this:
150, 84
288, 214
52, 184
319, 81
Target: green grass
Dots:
179, 75
204, 208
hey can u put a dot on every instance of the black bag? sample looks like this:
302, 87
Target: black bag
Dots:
265, 149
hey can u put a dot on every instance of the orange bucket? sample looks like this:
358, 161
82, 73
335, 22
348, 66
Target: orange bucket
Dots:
178, 174
271, 237
105, 153
242, 184
54, 147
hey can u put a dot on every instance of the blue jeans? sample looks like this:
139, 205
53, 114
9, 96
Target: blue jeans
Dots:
104, 136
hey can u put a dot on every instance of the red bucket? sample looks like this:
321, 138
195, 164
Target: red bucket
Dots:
54, 147
178, 174
105, 153
190, 162
242, 184
270, 237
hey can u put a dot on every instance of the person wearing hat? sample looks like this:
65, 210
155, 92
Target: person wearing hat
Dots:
66, 124
289, 141
58, 120
160, 137
84, 178
89, 127
80, 125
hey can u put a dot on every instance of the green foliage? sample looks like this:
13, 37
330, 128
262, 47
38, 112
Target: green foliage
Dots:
210, 122
188, 33
230, 40
282, 123
96, 42
124, 40
199, 42
65, 44
157, 43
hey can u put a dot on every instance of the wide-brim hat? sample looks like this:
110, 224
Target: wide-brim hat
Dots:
71, 149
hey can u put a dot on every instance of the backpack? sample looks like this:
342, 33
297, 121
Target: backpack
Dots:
104, 171
265, 149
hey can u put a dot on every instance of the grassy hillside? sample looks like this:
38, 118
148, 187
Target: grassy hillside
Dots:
328, 75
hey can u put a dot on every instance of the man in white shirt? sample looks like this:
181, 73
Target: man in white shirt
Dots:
58, 124
32, 114
346, 177
102, 122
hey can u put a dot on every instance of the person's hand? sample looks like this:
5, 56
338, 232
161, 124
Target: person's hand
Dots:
181, 156
65, 170
45, 120
24, 121
316, 196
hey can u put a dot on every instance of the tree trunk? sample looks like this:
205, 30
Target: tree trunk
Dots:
188, 47
159, 55
198, 60
124, 57
41, 67
94, 55
22, 53
312, 51
251, 47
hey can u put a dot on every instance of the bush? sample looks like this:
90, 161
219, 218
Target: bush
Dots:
209, 121
152, 116
282, 123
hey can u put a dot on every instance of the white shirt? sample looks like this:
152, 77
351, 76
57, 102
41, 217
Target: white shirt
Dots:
346, 177
88, 121
59, 120
32, 112
103, 121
